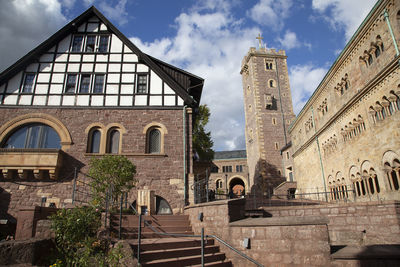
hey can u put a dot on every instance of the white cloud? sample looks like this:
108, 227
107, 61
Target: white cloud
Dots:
114, 11
289, 40
270, 13
29, 22
341, 14
211, 44
304, 79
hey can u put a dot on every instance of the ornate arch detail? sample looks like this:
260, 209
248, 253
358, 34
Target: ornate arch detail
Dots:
353, 171
366, 166
389, 156
155, 124
97, 125
56, 124
120, 127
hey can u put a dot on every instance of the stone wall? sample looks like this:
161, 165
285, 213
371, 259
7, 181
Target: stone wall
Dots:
284, 243
365, 223
162, 173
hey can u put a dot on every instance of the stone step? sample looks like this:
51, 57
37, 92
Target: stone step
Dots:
163, 229
145, 235
176, 253
135, 223
153, 217
215, 264
185, 261
168, 243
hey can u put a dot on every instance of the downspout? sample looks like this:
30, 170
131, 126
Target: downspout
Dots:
319, 154
184, 157
386, 15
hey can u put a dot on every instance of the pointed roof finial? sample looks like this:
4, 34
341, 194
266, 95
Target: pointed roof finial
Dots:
259, 40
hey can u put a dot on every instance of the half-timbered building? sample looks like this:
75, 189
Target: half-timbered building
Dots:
85, 92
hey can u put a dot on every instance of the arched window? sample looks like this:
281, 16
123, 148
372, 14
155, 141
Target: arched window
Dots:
154, 141
218, 184
35, 135
271, 83
370, 59
94, 141
113, 141
377, 51
393, 174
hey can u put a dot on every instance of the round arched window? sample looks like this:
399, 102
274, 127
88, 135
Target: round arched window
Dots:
35, 135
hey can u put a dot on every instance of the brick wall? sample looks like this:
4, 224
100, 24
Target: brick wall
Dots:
284, 243
163, 174
364, 223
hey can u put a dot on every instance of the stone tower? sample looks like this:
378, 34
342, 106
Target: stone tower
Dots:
268, 112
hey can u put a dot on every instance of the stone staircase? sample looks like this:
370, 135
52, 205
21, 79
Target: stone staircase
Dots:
163, 250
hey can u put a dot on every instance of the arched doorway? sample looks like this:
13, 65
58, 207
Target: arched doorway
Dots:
162, 206
236, 187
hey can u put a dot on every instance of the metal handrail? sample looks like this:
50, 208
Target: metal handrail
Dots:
205, 236
235, 250
202, 236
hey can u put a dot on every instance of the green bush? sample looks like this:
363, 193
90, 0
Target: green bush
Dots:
75, 232
111, 171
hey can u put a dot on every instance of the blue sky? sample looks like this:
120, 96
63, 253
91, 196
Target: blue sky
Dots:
208, 38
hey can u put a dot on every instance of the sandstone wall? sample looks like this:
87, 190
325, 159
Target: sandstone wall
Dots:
162, 173
271, 243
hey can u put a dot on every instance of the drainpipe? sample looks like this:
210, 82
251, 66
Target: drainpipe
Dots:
184, 157
386, 15
319, 154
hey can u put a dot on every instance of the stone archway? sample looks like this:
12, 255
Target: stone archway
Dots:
237, 187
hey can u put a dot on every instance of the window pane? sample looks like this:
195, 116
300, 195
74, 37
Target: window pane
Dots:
95, 143
32, 140
77, 43
90, 43
34, 136
28, 83
114, 142
71, 81
17, 139
85, 83
154, 141
103, 47
51, 140
142, 84
98, 84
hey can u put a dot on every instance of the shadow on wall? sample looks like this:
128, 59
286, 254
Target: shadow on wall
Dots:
7, 222
266, 178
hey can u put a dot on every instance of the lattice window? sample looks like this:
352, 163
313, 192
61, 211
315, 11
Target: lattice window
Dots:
154, 141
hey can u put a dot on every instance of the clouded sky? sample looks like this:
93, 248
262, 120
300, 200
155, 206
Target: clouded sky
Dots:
206, 37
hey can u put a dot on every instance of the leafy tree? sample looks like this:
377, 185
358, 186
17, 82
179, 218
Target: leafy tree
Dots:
202, 143
113, 172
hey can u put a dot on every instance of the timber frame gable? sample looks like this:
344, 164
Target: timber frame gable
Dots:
186, 85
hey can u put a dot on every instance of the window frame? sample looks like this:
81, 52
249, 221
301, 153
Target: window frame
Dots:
24, 84
74, 48
149, 141
138, 83
110, 141
82, 75
93, 89
75, 83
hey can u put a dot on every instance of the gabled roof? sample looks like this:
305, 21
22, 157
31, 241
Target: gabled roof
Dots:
185, 84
